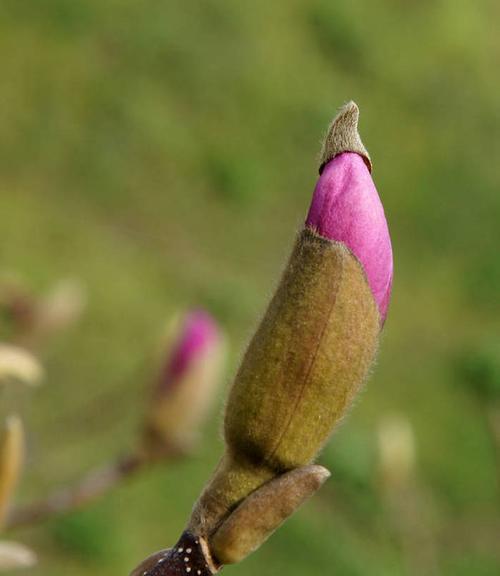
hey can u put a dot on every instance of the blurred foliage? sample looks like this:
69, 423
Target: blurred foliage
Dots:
479, 369
164, 154
87, 535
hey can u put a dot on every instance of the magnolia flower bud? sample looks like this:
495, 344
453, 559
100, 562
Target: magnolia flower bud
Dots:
186, 383
306, 362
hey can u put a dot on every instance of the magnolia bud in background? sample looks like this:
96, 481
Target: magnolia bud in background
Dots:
186, 384
396, 452
17, 364
11, 461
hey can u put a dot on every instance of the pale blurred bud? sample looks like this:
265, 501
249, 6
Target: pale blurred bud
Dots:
19, 365
61, 307
14, 555
11, 461
187, 383
396, 451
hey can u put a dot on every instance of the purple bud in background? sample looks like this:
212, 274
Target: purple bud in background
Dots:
346, 208
197, 335
186, 385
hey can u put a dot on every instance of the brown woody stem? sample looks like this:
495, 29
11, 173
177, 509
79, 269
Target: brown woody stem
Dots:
91, 487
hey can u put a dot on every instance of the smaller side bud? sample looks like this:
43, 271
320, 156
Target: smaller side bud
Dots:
259, 515
186, 384
11, 461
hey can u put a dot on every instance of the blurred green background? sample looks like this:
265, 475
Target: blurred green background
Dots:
164, 153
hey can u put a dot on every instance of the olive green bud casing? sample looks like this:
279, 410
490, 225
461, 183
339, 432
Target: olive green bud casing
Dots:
306, 362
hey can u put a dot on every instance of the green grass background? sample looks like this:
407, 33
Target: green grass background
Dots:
164, 153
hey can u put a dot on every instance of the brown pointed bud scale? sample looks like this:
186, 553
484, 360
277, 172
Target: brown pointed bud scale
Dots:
259, 515
343, 136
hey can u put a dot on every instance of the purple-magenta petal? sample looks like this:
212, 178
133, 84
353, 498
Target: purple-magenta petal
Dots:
346, 208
